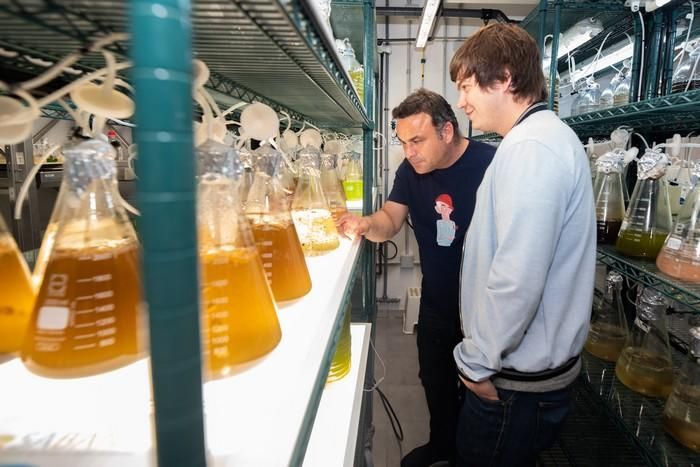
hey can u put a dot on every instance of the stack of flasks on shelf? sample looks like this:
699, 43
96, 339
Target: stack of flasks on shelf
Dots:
644, 229
642, 357
260, 212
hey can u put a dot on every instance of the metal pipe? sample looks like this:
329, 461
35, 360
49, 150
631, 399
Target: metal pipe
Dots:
168, 231
543, 30
671, 28
45, 129
482, 13
555, 53
654, 48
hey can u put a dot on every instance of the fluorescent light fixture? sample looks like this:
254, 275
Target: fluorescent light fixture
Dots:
426, 21
610, 59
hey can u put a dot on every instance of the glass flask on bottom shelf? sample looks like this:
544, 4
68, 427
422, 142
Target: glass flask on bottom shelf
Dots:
275, 236
680, 255
310, 211
16, 293
340, 365
608, 332
239, 316
648, 218
89, 315
645, 363
681, 417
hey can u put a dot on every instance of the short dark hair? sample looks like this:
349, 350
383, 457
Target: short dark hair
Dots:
431, 103
496, 49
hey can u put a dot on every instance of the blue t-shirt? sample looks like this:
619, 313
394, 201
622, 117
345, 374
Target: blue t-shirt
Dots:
441, 204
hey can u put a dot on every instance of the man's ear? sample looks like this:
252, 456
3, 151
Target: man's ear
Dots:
448, 132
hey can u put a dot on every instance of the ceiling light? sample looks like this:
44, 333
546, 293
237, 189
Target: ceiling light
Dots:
426, 22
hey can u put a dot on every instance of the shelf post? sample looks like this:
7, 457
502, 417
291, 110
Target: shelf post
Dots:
671, 17
637, 58
652, 73
162, 78
555, 53
543, 26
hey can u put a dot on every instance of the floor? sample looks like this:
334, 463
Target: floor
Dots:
401, 386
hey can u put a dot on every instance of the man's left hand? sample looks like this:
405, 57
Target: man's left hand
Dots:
484, 389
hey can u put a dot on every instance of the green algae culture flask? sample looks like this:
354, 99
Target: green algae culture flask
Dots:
648, 218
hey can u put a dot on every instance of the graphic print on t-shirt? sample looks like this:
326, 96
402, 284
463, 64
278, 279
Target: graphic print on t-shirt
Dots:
446, 228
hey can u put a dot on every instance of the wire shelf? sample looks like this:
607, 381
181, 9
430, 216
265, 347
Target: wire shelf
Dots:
674, 112
254, 48
638, 416
646, 273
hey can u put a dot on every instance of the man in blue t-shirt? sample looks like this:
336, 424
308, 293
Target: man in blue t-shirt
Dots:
436, 185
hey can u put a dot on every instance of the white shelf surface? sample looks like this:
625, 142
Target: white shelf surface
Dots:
334, 435
251, 419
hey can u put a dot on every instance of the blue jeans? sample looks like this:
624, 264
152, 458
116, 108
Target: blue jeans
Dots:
512, 431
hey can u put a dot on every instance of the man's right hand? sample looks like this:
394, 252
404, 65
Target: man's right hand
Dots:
353, 226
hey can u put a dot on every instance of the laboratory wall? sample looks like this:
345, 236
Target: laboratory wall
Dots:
410, 68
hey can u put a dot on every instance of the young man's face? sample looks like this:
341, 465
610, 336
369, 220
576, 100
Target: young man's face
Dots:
481, 104
425, 148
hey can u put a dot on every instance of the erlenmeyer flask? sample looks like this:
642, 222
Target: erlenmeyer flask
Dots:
609, 198
681, 418
645, 362
590, 101
332, 187
352, 184
608, 332
267, 210
16, 293
310, 211
89, 316
340, 365
239, 317
648, 218
680, 255
621, 94
607, 96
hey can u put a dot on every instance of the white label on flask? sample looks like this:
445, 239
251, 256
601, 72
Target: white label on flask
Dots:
641, 325
673, 243
53, 318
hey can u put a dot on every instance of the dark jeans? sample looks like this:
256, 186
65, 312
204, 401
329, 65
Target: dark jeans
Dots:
511, 431
436, 340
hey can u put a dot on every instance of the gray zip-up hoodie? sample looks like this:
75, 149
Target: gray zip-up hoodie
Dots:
529, 256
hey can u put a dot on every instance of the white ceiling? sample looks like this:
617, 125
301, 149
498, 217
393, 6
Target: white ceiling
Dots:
512, 8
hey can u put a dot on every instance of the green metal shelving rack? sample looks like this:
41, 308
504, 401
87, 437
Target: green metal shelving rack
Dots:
258, 50
632, 421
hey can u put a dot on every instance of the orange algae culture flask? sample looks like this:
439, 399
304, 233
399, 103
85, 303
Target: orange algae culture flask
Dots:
239, 317
16, 293
89, 315
680, 255
310, 211
267, 210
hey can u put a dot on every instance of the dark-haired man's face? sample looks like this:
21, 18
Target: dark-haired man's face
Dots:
425, 148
